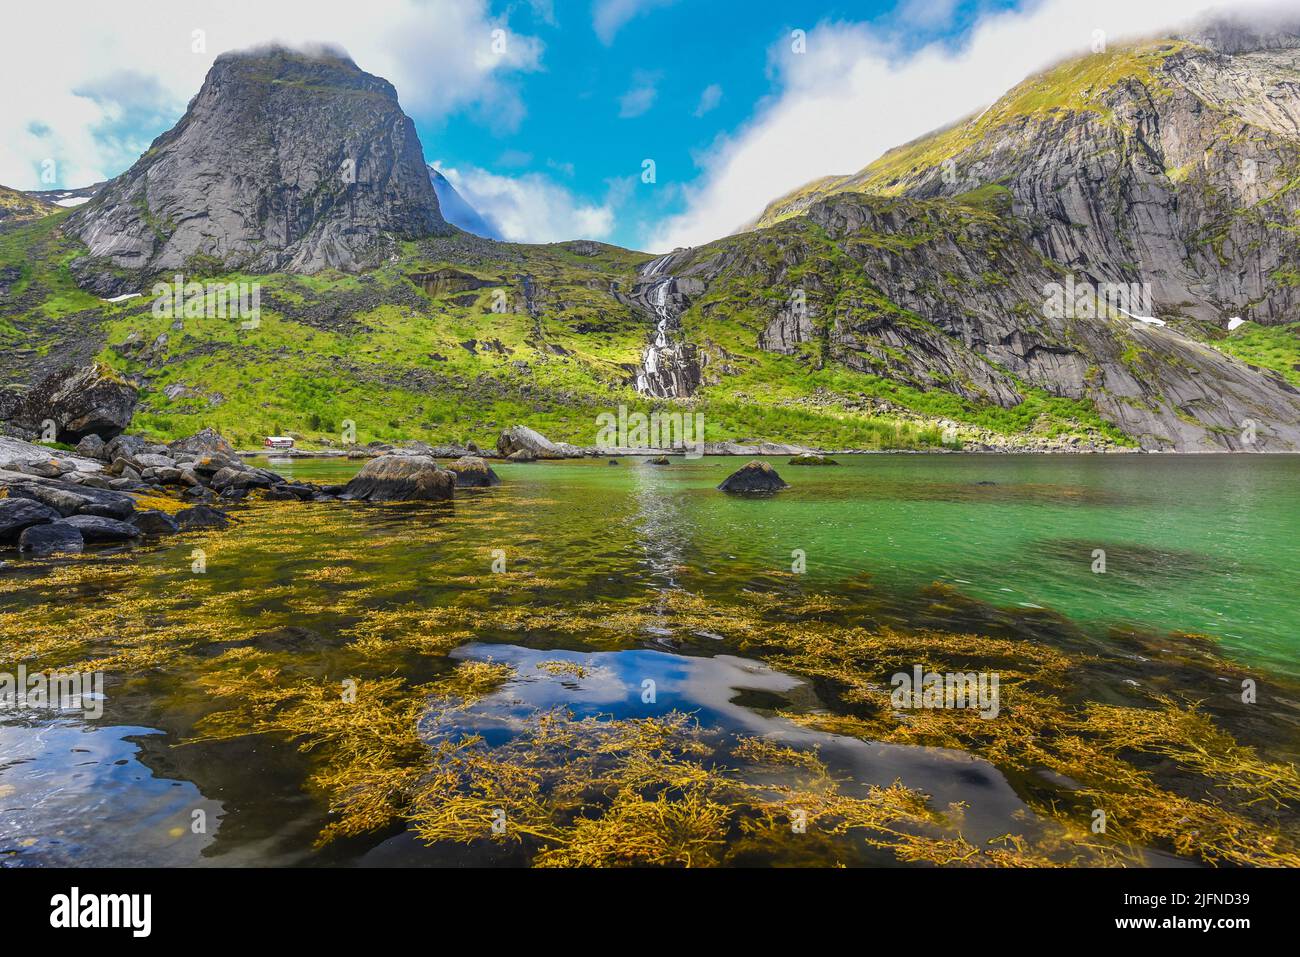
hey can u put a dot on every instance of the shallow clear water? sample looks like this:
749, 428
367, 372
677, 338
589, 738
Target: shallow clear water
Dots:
1206, 544
1195, 544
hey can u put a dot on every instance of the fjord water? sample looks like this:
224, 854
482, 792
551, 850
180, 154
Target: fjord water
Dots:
1199, 544
1207, 544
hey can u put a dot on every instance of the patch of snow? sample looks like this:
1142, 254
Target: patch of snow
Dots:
72, 201
1149, 320
123, 297
1234, 322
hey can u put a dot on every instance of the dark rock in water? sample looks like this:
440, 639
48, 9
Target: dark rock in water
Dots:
154, 522
754, 477
812, 458
613, 462
330, 174
280, 493
17, 514
80, 401
91, 446
198, 493
201, 516
401, 478
472, 472
234, 494
659, 460
96, 528
39, 541
522, 455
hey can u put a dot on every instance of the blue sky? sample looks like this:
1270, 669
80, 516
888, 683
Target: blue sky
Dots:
542, 112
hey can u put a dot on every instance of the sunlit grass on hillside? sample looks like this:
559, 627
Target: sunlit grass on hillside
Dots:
1271, 347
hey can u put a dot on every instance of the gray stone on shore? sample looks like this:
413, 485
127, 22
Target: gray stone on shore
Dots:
18, 514
69, 499
97, 528
520, 438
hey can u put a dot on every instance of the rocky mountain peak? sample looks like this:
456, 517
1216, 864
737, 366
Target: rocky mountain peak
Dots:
285, 160
1233, 35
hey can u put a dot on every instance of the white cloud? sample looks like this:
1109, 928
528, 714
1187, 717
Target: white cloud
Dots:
532, 208
709, 99
86, 112
926, 13
610, 16
851, 97
640, 97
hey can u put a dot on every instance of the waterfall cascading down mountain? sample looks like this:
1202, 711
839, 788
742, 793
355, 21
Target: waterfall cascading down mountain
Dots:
669, 370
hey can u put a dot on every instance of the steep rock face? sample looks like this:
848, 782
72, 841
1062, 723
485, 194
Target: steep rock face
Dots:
1172, 164
941, 294
283, 161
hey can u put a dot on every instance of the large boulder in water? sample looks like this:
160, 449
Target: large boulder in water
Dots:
39, 541
401, 478
472, 472
755, 477
80, 401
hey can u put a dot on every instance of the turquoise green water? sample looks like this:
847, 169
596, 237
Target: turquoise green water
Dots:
1203, 544
618, 574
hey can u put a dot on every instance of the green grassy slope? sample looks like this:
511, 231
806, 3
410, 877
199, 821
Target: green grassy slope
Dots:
402, 361
1076, 86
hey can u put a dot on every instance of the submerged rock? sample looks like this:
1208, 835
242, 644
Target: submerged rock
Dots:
658, 460
38, 541
812, 458
17, 514
201, 516
472, 472
401, 478
753, 477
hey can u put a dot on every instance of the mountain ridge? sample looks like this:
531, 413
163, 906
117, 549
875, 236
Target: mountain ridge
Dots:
905, 317
330, 174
